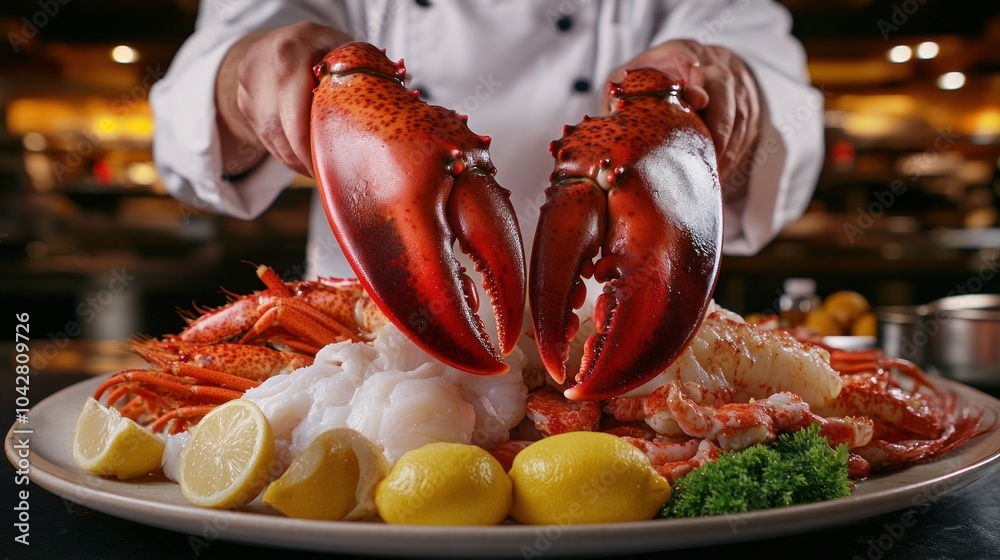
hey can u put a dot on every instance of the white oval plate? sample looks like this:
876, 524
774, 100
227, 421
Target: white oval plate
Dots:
159, 503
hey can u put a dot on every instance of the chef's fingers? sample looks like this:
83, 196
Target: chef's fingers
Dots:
720, 114
745, 130
261, 110
276, 83
732, 116
295, 105
678, 59
693, 90
309, 46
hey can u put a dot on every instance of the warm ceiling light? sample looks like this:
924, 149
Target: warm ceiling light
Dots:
951, 80
927, 50
34, 142
141, 173
900, 53
124, 54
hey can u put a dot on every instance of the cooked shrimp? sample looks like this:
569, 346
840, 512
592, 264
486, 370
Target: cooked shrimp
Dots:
737, 426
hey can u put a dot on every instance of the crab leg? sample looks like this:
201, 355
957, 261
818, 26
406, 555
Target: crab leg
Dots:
166, 383
241, 360
311, 329
186, 413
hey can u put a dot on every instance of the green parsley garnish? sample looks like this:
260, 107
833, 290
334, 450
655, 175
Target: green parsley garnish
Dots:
797, 468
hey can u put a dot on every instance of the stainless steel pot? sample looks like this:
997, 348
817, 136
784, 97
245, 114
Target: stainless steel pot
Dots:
899, 333
957, 337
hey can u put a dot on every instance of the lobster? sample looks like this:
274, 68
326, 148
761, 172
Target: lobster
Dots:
401, 180
640, 185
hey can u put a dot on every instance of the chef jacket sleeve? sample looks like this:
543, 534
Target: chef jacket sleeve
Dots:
789, 154
186, 146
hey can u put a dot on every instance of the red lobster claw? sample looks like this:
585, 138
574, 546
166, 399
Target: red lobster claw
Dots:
641, 186
400, 181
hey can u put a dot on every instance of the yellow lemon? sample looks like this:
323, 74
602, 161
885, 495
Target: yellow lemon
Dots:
846, 306
333, 479
585, 477
823, 323
865, 325
445, 484
109, 444
227, 461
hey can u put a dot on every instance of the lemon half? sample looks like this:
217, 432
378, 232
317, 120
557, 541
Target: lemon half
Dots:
106, 443
334, 479
228, 459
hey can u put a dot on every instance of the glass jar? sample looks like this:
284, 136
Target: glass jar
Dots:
797, 300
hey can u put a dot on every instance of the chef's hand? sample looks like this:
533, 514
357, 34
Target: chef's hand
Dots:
722, 89
263, 94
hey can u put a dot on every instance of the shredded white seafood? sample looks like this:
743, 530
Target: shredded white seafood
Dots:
392, 392
175, 443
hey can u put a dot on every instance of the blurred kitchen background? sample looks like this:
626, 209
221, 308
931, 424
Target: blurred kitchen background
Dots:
905, 211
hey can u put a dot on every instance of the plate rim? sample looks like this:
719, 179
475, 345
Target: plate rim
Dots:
256, 528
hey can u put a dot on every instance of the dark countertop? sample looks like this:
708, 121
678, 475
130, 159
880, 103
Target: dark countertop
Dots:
963, 524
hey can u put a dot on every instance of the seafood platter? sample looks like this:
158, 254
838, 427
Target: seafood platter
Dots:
360, 406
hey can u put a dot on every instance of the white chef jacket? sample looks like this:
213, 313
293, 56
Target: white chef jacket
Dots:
521, 70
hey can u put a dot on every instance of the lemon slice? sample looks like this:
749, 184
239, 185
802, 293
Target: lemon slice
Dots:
227, 461
333, 479
109, 444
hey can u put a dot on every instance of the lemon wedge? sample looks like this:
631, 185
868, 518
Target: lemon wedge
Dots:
227, 461
333, 479
106, 443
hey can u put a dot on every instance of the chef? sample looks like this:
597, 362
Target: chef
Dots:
232, 112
